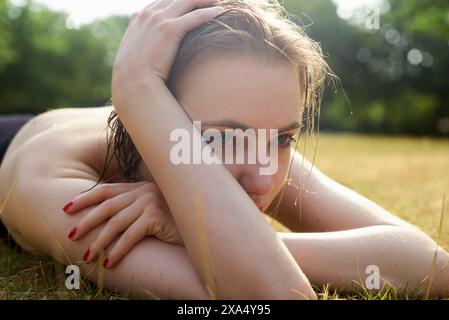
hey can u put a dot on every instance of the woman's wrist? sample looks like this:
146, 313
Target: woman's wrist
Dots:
127, 92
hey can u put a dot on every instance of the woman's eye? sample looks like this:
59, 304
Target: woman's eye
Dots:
285, 140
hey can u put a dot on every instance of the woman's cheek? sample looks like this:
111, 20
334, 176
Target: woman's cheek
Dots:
284, 160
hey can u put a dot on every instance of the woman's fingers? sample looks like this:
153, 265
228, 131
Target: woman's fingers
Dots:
160, 224
158, 4
197, 17
137, 213
117, 224
178, 8
154, 221
136, 232
98, 195
102, 212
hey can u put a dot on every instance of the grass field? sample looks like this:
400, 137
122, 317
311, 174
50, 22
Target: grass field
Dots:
407, 176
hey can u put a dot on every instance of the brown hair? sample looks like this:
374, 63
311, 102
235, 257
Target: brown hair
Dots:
260, 29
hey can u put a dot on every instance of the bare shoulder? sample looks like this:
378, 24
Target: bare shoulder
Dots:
59, 143
51, 159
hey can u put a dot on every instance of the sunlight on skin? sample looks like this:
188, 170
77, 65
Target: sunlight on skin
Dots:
3, 204
337, 155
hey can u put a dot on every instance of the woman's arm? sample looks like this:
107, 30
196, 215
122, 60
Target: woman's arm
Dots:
404, 257
349, 232
232, 247
313, 202
339, 259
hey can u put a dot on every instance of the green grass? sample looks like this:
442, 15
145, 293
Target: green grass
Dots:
407, 176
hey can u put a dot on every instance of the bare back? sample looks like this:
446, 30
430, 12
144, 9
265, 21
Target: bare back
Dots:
70, 135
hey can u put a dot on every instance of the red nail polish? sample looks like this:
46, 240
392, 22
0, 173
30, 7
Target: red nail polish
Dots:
68, 206
86, 255
106, 263
72, 232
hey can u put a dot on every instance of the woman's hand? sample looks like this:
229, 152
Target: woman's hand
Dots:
150, 44
137, 210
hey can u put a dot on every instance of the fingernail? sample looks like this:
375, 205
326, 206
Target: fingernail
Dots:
68, 206
106, 263
86, 255
72, 232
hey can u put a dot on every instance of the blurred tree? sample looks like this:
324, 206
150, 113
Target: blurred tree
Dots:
6, 51
395, 76
56, 65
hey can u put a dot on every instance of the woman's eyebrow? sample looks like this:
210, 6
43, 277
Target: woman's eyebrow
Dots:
236, 125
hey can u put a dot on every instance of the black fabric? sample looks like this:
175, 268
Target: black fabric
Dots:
9, 126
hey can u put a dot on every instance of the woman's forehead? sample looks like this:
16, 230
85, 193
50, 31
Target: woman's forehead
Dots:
243, 90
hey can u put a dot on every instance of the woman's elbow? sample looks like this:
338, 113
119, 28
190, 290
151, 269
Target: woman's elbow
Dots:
430, 262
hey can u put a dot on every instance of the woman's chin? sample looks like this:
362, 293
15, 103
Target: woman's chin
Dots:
261, 207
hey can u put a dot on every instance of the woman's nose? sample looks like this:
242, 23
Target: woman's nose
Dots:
256, 184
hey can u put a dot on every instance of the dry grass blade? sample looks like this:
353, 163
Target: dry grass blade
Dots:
7, 197
435, 256
207, 266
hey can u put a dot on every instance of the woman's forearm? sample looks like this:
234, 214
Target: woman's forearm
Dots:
247, 258
403, 256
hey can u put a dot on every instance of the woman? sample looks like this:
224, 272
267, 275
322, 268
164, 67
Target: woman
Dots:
228, 64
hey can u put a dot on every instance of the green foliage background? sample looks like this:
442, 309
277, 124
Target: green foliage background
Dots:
46, 64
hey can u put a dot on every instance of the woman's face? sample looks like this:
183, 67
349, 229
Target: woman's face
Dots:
239, 92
